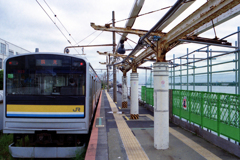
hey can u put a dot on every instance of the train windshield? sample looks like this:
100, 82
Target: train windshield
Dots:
43, 74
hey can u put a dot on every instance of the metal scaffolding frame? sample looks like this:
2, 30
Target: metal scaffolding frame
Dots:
191, 68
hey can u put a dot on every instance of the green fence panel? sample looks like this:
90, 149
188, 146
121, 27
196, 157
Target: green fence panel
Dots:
176, 94
229, 116
210, 114
152, 96
229, 131
210, 124
143, 93
219, 112
148, 94
195, 105
196, 118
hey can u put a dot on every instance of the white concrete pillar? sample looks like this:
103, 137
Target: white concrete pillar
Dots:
161, 105
124, 92
134, 96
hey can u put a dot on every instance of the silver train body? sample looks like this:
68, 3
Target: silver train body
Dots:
50, 98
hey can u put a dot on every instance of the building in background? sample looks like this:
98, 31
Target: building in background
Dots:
8, 49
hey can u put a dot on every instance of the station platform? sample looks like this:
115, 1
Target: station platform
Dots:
116, 137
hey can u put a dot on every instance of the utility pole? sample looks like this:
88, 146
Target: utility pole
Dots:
114, 60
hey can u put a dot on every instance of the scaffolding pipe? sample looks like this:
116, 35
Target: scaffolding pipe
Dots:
238, 60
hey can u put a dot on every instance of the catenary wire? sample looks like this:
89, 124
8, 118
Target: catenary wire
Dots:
61, 24
60, 21
95, 38
89, 35
55, 24
143, 14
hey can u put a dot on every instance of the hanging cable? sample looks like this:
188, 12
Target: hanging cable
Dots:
142, 14
60, 21
95, 37
56, 25
53, 22
89, 35
86, 37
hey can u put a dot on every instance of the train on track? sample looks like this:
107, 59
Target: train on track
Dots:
49, 99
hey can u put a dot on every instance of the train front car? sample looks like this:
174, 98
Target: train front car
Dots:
45, 101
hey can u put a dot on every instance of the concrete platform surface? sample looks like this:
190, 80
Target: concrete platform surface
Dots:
117, 137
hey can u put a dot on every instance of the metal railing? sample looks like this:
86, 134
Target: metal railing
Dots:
218, 112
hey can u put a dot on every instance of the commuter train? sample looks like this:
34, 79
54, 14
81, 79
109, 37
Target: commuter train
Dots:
49, 97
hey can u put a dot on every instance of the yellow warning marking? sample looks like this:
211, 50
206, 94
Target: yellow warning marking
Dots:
127, 118
133, 148
202, 151
119, 107
116, 102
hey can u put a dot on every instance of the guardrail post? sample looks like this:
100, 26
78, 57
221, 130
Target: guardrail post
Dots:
181, 105
202, 102
181, 73
161, 104
173, 71
218, 114
194, 72
208, 69
236, 69
189, 100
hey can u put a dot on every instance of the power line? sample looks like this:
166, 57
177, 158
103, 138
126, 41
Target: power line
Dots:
60, 21
89, 35
86, 37
142, 14
95, 37
55, 24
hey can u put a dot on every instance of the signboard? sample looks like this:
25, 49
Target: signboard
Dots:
184, 102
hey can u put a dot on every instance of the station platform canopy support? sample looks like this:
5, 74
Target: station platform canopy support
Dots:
210, 14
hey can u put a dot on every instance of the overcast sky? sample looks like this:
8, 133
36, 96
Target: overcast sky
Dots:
24, 23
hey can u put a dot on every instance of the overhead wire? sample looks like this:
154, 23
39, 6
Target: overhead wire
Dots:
89, 35
142, 14
86, 37
60, 21
55, 24
95, 38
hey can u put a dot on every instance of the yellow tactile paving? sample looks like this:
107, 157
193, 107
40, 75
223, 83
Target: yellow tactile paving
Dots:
133, 148
202, 151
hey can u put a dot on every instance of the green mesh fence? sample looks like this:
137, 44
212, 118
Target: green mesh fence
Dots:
143, 93
147, 95
218, 112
